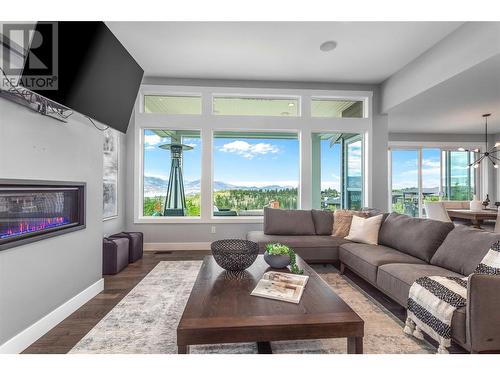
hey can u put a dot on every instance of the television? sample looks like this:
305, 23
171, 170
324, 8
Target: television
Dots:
84, 67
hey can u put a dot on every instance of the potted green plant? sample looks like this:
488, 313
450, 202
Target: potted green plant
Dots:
279, 256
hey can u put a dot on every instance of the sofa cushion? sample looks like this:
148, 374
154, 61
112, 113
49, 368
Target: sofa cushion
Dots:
288, 222
396, 279
463, 249
310, 248
323, 222
342, 221
417, 237
365, 259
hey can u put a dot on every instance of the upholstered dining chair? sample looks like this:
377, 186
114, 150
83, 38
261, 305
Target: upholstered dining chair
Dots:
436, 211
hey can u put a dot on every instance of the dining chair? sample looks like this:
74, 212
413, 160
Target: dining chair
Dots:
436, 211
497, 223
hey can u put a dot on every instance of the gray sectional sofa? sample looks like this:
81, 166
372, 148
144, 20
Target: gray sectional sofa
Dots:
408, 248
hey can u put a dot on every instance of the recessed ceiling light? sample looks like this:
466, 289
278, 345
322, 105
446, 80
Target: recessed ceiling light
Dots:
291, 104
329, 45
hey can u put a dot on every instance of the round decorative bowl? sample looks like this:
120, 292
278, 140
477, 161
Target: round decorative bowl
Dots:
277, 261
234, 255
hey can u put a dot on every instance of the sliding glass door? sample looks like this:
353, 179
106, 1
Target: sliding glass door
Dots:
405, 182
353, 181
429, 174
458, 182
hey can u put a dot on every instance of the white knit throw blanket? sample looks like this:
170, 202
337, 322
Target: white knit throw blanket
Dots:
433, 300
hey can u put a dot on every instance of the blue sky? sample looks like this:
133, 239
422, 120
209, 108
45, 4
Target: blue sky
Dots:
157, 161
248, 162
256, 162
237, 161
405, 171
262, 162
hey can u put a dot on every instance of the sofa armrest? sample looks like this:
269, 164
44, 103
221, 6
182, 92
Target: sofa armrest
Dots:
483, 313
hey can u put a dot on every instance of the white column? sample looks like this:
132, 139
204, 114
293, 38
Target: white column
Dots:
206, 161
305, 194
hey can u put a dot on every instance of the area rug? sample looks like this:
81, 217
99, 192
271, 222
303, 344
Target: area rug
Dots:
145, 321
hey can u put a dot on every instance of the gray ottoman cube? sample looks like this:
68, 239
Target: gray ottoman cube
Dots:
136, 245
114, 255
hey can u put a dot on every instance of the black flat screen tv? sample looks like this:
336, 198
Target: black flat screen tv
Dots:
92, 72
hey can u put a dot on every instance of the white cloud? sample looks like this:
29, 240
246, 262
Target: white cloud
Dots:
152, 140
248, 150
193, 145
431, 163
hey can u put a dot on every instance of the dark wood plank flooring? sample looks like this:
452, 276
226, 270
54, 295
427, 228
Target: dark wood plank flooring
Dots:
65, 335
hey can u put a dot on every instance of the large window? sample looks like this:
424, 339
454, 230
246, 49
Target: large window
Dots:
429, 174
172, 171
337, 171
218, 155
255, 106
253, 170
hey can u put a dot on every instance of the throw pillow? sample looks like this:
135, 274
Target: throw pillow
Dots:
490, 265
342, 221
365, 230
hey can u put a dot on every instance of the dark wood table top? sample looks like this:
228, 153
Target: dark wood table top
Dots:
220, 309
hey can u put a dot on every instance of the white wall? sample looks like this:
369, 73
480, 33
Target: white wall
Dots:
38, 277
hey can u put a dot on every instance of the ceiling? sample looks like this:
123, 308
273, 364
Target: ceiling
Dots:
367, 52
454, 106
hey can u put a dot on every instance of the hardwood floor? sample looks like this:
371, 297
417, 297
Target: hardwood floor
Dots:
65, 335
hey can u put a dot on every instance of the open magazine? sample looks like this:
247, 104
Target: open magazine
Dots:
285, 287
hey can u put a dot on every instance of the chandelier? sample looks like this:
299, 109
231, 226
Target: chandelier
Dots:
489, 153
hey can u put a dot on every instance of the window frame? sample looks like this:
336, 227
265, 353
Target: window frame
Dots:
304, 125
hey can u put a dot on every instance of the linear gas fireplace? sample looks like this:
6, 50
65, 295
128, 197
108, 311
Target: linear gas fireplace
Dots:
34, 210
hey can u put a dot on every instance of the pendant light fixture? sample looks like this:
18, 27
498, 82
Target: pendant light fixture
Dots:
489, 154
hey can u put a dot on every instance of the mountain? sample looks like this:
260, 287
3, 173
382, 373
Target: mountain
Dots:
154, 186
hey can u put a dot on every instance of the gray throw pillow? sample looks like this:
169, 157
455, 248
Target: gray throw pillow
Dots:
323, 222
288, 222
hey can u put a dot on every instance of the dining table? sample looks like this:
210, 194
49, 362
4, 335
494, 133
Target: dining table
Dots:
476, 217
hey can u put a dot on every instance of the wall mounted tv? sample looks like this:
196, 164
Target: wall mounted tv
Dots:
92, 73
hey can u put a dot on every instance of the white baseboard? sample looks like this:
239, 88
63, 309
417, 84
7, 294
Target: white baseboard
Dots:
171, 246
27, 337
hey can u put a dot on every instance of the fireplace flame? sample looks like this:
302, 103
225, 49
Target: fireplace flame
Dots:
33, 225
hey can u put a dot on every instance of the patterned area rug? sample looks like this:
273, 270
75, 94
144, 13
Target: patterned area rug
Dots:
145, 321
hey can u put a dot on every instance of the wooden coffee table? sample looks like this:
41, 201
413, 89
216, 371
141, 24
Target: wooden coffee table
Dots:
220, 309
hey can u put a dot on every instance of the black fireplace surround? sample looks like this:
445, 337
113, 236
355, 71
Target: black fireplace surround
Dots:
34, 210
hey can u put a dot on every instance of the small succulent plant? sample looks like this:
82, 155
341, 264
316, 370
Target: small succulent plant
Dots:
280, 249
